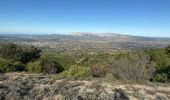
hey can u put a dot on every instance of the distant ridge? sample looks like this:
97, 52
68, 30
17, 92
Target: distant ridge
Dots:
87, 41
109, 34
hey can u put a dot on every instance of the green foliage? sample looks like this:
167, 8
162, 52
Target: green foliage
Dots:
91, 60
14, 57
154, 64
18, 66
29, 54
109, 77
99, 70
50, 66
9, 65
4, 64
10, 51
18, 54
34, 67
64, 60
159, 57
161, 77
167, 49
76, 71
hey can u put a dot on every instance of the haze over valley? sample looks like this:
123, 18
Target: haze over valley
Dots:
92, 42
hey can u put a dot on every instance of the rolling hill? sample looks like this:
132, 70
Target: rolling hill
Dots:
100, 42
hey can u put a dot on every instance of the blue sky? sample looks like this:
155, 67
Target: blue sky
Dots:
131, 17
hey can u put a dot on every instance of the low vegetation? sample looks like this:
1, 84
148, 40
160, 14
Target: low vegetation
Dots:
33, 73
22, 86
76, 71
132, 66
154, 64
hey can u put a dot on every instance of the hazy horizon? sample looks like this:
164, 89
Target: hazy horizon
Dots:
98, 34
128, 17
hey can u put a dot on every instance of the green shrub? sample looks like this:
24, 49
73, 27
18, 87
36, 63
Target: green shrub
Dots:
4, 64
99, 70
34, 67
110, 78
167, 50
29, 54
19, 54
10, 51
50, 66
9, 65
19, 66
91, 60
66, 60
162, 77
159, 57
76, 71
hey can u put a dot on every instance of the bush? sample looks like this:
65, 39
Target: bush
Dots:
110, 78
4, 64
10, 51
29, 54
162, 77
167, 50
132, 66
34, 67
76, 71
9, 65
159, 57
19, 67
50, 66
17, 53
99, 70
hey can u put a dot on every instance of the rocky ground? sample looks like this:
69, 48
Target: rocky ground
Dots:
22, 86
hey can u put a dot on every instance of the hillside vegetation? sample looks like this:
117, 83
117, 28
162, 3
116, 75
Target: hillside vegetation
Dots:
154, 64
45, 74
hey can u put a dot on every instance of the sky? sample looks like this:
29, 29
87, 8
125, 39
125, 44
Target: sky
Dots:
131, 17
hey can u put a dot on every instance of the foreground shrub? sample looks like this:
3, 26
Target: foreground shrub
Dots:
132, 66
167, 50
19, 66
18, 54
29, 54
99, 70
34, 67
110, 78
10, 51
161, 77
159, 57
4, 64
9, 65
76, 71
50, 66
